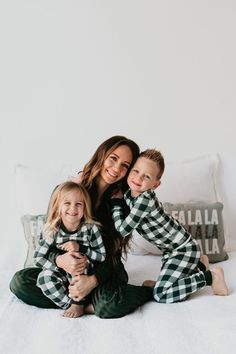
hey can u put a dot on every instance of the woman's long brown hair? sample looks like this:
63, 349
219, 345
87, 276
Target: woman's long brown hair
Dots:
92, 169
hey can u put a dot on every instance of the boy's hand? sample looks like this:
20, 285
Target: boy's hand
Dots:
70, 246
118, 194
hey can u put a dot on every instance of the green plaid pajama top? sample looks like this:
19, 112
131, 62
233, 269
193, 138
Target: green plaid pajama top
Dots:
180, 275
150, 220
88, 237
52, 280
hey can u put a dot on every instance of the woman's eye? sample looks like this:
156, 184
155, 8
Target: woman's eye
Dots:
125, 166
113, 158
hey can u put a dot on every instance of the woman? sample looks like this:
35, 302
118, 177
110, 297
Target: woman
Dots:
107, 290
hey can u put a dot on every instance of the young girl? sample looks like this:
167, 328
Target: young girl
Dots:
181, 274
70, 228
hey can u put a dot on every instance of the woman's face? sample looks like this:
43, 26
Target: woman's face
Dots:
116, 165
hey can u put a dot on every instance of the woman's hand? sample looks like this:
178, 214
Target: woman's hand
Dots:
81, 286
70, 246
72, 262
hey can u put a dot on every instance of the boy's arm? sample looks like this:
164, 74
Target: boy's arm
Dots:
141, 209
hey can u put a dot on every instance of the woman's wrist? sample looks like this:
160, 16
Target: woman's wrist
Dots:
93, 281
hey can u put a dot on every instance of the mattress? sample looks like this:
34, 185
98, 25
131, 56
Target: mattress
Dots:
203, 324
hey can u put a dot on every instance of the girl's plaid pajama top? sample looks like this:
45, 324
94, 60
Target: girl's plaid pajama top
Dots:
179, 275
54, 281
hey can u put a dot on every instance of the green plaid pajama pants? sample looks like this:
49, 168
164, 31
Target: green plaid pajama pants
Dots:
113, 299
178, 277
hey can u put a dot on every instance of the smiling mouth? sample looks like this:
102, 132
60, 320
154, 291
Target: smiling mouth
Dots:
112, 175
136, 184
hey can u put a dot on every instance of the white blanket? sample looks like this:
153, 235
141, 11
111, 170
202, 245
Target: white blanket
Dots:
203, 324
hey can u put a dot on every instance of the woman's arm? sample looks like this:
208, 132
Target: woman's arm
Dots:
82, 285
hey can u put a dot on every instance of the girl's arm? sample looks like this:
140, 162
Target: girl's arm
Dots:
41, 254
95, 251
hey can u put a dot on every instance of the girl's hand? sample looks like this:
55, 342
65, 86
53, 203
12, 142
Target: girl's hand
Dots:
70, 246
81, 286
72, 262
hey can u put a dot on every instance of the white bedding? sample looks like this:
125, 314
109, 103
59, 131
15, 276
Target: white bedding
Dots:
203, 324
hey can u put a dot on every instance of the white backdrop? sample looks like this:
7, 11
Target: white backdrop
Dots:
75, 72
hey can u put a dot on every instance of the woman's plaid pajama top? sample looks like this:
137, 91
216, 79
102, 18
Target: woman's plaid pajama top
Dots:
52, 280
179, 276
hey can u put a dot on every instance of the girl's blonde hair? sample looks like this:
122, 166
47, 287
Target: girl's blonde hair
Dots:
53, 222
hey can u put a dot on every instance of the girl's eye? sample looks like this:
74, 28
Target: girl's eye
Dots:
79, 204
113, 158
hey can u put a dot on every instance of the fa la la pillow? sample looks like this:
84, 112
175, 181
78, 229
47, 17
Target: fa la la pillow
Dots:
205, 223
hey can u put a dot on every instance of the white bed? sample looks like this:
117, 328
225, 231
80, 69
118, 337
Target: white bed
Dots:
203, 324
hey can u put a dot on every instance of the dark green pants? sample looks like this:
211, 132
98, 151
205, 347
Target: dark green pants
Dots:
114, 299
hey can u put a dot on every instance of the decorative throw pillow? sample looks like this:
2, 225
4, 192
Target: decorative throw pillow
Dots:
32, 225
205, 223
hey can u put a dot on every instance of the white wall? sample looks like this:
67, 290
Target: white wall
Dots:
76, 72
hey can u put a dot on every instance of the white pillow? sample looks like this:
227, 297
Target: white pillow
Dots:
34, 186
140, 246
226, 181
190, 181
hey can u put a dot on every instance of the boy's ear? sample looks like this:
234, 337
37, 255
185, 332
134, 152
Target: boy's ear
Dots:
156, 184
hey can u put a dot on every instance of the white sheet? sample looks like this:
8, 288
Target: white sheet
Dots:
203, 324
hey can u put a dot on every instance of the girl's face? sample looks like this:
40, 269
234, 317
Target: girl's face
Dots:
116, 165
72, 209
143, 176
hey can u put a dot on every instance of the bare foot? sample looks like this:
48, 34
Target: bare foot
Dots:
204, 260
74, 311
219, 286
149, 283
89, 309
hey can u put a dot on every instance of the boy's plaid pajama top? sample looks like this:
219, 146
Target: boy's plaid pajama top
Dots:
179, 276
52, 280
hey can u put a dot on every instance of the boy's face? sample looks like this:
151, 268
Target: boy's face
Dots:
143, 176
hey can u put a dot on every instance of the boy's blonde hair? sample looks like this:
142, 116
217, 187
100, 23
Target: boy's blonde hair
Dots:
156, 156
53, 222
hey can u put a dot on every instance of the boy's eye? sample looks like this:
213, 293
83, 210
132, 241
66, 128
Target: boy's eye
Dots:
66, 203
148, 177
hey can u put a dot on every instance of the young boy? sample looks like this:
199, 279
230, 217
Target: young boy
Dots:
182, 273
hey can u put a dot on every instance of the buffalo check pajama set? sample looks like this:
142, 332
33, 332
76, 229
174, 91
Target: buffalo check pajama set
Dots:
180, 273
54, 281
